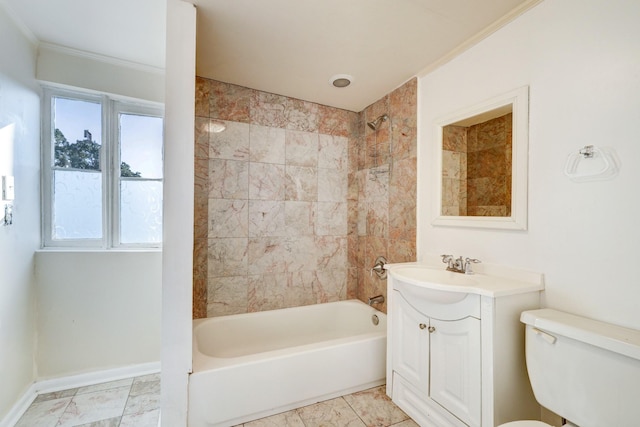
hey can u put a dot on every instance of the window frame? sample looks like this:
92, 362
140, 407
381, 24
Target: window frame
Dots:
111, 108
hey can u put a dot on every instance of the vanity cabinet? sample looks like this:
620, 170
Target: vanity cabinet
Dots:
441, 356
458, 360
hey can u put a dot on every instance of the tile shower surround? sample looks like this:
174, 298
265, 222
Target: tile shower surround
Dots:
292, 200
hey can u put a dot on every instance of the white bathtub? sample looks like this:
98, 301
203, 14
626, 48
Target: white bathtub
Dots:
250, 366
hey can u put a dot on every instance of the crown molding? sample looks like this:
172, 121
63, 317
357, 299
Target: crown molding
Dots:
64, 50
481, 35
13, 16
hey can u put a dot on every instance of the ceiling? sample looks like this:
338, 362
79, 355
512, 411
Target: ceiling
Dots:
130, 30
287, 47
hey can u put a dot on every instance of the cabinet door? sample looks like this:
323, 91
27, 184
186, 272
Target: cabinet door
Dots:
410, 344
455, 367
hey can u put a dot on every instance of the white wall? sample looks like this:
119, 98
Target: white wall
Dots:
20, 157
97, 310
581, 60
61, 324
177, 259
68, 67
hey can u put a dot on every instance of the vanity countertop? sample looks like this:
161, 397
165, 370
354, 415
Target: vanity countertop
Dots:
489, 280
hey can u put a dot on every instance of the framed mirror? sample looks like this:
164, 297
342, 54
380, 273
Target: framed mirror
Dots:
483, 164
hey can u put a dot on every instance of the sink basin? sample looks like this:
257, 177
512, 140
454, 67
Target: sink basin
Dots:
438, 286
434, 283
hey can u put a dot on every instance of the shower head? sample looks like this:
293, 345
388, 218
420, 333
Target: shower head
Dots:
375, 123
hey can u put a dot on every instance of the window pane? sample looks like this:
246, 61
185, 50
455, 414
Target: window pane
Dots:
140, 146
77, 131
77, 205
140, 211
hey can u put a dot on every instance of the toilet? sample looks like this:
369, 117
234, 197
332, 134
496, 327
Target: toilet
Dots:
584, 370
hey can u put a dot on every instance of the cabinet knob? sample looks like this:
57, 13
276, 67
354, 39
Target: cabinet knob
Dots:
422, 326
432, 329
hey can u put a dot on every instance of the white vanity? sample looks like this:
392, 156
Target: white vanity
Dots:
455, 345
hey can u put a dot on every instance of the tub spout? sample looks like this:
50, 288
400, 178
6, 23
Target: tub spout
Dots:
378, 299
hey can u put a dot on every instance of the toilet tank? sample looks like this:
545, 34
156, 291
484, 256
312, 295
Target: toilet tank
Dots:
582, 369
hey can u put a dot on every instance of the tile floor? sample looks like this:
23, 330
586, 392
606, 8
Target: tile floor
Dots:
132, 402
368, 408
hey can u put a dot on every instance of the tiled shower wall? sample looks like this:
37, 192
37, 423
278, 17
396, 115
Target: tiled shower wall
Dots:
289, 208
386, 183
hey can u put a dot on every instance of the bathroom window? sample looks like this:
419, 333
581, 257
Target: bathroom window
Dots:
102, 171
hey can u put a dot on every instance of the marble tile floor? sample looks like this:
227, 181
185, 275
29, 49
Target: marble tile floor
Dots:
135, 402
131, 402
368, 408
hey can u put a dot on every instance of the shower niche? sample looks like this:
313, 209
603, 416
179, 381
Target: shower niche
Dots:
483, 160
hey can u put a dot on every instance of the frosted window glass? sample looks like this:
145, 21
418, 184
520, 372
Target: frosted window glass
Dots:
140, 211
77, 205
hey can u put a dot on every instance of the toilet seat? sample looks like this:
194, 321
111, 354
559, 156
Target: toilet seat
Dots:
525, 423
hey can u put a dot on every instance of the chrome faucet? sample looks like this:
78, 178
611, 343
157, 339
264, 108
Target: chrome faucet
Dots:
379, 269
467, 265
459, 265
378, 299
453, 264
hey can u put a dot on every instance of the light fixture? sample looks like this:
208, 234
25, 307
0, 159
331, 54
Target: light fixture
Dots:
341, 80
217, 126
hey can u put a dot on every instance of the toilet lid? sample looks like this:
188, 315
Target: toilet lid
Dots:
526, 423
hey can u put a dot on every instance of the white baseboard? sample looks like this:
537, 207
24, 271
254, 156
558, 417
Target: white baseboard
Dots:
19, 407
96, 377
74, 381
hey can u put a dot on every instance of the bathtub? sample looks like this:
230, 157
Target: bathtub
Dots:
249, 366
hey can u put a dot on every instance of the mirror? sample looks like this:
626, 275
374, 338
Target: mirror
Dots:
483, 160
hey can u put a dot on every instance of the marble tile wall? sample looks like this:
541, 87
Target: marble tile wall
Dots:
288, 206
385, 181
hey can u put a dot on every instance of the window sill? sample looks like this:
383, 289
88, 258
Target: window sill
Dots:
99, 250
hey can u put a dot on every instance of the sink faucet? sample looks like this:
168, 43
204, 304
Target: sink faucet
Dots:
453, 264
467, 265
459, 265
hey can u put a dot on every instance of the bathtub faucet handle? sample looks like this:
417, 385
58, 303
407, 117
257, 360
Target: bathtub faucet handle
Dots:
378, 268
